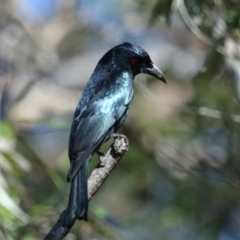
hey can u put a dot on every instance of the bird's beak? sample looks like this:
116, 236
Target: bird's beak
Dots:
155, 72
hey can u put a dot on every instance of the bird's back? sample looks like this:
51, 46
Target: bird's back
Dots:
101, 111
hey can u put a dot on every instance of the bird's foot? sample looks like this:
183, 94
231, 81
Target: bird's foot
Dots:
101, 159
120, 145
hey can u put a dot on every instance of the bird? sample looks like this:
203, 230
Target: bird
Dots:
101, 111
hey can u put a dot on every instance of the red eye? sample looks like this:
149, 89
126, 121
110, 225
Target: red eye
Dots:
134, 61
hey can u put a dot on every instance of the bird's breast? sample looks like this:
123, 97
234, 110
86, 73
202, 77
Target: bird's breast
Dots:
125, 79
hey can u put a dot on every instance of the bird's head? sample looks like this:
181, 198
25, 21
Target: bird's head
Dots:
134, 58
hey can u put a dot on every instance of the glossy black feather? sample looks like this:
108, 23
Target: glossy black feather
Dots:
97, 117
78, 199
101, 110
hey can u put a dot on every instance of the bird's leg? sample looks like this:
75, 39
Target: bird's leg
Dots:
123, 140
101, 158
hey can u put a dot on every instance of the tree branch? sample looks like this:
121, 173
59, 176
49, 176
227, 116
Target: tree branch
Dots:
96, 179
196, 31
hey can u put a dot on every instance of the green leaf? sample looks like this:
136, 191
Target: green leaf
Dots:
6, 130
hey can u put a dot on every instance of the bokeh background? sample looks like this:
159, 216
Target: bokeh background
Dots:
181, 177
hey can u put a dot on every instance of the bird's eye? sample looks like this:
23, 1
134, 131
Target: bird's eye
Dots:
134, 61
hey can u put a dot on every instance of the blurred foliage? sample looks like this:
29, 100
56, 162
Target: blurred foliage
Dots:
162, 9
181, 177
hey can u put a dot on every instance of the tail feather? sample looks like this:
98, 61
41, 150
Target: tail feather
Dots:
77, 205
78, 199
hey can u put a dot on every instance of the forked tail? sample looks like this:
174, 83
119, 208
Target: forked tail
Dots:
78, 198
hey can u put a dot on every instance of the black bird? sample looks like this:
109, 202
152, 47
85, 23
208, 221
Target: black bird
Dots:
100, 112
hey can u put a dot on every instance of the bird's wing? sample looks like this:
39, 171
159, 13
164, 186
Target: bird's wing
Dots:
93, 124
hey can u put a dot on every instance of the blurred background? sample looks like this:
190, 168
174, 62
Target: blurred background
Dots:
181, 177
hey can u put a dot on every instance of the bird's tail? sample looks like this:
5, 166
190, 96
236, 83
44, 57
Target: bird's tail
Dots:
77, 205
78, 198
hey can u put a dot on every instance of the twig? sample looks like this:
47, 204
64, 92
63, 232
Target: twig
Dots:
95, 181
194, 28
109, 160
201, 111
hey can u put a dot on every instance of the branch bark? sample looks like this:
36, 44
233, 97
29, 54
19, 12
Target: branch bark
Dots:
95, 181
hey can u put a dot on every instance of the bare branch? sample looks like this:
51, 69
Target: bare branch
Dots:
108, 162
95, 181
201, 111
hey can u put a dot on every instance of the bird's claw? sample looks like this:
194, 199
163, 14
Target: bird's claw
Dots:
101, 159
